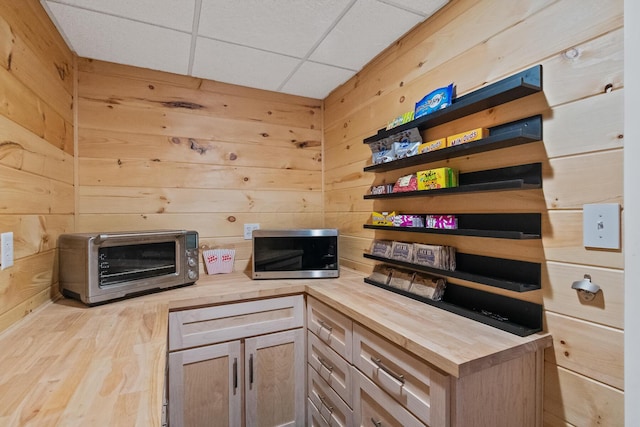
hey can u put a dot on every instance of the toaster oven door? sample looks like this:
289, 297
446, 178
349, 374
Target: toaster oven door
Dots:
127, 263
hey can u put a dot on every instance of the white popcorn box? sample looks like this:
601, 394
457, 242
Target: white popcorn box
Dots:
219, 260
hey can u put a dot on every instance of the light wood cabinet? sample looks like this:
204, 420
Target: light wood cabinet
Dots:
240, 371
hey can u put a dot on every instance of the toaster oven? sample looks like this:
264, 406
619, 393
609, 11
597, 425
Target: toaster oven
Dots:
99, 267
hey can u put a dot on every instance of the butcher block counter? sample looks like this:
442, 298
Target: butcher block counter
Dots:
73, 365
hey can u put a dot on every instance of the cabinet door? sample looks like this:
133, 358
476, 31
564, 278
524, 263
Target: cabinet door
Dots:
275, 379
205, 384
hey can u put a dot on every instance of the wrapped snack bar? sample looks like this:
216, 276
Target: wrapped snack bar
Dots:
401, 279
402, 251
406, 183
428, 286
381, 274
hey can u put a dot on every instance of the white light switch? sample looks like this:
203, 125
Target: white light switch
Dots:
601, 225
6, 250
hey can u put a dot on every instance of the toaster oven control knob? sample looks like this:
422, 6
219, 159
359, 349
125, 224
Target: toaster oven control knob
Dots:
192, 275
192, 262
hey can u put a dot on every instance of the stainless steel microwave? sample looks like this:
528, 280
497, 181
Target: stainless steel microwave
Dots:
99, 267
295, 253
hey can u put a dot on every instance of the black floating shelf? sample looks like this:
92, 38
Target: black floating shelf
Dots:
512, 315
517, 226
507, 135
522, 177
513, 275
518, 86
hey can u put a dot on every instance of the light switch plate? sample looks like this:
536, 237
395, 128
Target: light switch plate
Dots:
601, 225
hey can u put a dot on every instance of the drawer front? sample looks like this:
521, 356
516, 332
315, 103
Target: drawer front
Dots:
407, 379
209, 325
329, 406
333, 328
374, 408
330, 366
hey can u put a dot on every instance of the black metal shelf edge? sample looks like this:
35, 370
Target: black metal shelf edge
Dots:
507, 326
517, 86
497, 234
508, 135
512, 184
457, 274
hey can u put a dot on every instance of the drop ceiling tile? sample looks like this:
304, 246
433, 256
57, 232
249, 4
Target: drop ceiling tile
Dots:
176, 14
316, 80
424, 7
241, 65
366, 30
290, 27
104, 37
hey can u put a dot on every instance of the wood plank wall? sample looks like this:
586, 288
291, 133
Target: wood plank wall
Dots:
158, 150
36, 153
471, 43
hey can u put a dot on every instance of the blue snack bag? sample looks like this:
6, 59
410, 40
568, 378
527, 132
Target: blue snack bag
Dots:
436, 100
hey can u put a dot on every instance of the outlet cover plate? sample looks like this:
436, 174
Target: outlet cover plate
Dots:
6, 250
248, 230
601, 225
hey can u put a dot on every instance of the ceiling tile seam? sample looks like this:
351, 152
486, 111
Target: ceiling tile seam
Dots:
317, 43
406, 9
113, 15
249, 47
197, 9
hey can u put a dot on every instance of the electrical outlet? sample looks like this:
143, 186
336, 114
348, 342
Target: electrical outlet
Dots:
6, 250
248, 230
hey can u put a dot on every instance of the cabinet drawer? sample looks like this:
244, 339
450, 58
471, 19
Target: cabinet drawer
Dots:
333, 328
330, 366
374, 408
330, 407
209, 325
407, 379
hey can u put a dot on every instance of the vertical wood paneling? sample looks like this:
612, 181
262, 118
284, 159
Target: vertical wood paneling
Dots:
580, 48
36, 154
162, 151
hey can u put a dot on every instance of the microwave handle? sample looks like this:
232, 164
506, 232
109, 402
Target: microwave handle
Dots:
103, 237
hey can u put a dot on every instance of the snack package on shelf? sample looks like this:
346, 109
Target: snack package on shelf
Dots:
468, 136
435, 256
401, 279
436, 144
406, 183
402, 251
382, 151
406, 143
449, 222
381, 248
434, 101
437, 178
381, 274
400, 120
408, 221
382, 189
382, 218
428, 286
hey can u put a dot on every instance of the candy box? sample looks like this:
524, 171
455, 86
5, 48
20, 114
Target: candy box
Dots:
437, 178
381, 189
468, 136
434, 101
448, 222
408, 221
406, 183
436, 144
382, 218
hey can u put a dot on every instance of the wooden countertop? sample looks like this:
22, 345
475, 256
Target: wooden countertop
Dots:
72, 365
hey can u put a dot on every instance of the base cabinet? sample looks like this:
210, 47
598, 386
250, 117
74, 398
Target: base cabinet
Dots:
257, 380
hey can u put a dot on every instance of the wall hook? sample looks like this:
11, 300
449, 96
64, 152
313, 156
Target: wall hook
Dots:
586, 288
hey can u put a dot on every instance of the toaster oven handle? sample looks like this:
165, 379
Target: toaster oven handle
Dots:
103, 237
